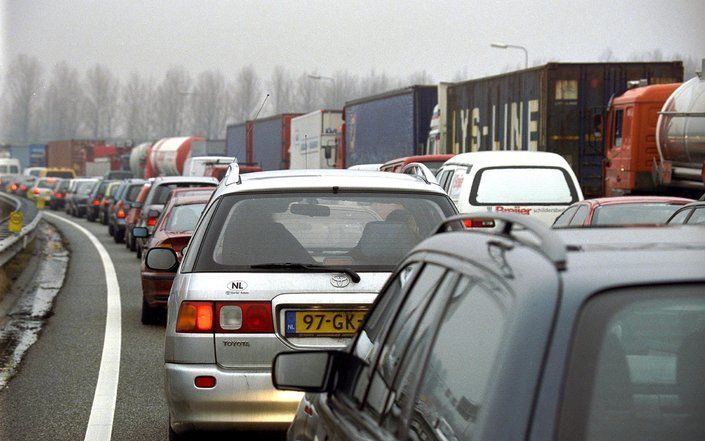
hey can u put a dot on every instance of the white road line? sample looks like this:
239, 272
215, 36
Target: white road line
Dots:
100, 423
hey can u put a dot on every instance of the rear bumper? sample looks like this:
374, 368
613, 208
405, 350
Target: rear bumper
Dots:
240, 399
156, 288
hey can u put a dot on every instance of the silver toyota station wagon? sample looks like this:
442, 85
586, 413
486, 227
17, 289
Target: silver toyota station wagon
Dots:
280, 261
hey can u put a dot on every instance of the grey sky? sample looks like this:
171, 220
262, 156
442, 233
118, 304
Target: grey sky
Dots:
393, 37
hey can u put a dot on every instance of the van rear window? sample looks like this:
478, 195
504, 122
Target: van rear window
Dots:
523, 186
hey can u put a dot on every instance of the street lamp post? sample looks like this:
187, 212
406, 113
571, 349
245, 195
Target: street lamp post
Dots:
513, 46
332, 82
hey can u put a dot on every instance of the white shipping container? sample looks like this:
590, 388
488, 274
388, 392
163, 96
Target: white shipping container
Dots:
311, 135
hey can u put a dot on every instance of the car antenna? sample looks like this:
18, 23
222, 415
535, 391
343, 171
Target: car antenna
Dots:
249, 126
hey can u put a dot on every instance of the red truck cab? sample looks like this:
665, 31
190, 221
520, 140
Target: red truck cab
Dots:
630, 142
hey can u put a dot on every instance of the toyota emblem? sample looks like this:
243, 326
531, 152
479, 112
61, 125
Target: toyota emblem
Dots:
340, 281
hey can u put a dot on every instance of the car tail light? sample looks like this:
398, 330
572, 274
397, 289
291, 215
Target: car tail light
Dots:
120, 213
478, 223
244, 317
105, 202
151, 221
195, 317
23, 187
204, 381
13, 187
58, 195
96, 202
36, 191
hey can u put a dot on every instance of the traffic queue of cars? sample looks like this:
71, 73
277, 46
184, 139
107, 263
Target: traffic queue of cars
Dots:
355, 304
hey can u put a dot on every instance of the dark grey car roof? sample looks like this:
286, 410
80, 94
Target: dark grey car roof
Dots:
603, 258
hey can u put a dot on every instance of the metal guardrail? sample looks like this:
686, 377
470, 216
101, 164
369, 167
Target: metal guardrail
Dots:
11, 243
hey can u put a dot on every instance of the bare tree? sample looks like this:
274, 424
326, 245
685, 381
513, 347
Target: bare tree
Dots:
136, 98
245, 94
209, 101
21, 95
342, 87
61, 117
420, 77
307, 93
101, 98
169, 104
280, 86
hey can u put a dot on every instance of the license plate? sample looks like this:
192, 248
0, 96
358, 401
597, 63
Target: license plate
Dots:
323, 322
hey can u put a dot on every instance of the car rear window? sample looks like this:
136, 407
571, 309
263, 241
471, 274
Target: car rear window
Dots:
84, 187
636, 367
161, 193
522, 186
60, 174
183, 218
365, 231
626, 214
133, 192
47, 183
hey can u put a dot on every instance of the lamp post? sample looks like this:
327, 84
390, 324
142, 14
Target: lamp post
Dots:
513, 46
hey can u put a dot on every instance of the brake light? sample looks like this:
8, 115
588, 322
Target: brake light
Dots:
58, 195
36, 191
105, 202
478, 223
23, 187
13, 187
195, 317
120, 214
244, 317
96, 202
151, 221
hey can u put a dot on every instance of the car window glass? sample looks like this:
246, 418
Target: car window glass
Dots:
369, 341
580, 215
194, 245
395, 342
522, 185
461, 363
402, 395
565, 217
698, 216
632, 214
636, 367
184, 217
680, 217
455, 185
132, 192
443, 179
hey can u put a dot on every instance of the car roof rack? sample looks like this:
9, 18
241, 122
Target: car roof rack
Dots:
232, 176
420, 171
550, 244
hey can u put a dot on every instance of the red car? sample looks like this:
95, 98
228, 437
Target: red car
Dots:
433, 162
133, 216
620, 210
173, 230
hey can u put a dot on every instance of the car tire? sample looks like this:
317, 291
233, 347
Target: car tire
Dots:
118, 237
150, 316
139, 251
111, 230
133, 243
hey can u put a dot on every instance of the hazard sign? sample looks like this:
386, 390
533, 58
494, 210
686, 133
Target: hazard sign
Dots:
15, 225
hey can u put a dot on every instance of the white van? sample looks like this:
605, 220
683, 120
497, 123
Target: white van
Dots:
196, 165
33, 171
537, 184
10, 166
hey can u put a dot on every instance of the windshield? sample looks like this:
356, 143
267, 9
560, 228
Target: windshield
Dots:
523, 186
133, 191
625, 214
46, 183
84, 187
161, 193
365, 231
183, 218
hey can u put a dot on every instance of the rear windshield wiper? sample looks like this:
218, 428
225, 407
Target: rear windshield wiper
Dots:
354, 276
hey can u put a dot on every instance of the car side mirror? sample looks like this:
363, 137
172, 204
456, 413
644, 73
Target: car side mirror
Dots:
161, 259
304, 371
140, 232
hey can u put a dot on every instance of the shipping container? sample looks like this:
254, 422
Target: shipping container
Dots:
210, 147
32, 155
236, 141
557, 107
270, 139
72, 153
387, 126
313, 139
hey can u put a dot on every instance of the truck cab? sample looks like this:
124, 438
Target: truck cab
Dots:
630, 144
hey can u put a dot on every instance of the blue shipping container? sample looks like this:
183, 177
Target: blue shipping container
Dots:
267, 142
235, 140
388, 126
32, 155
